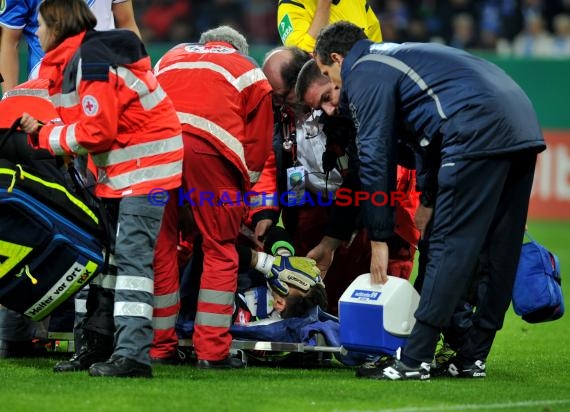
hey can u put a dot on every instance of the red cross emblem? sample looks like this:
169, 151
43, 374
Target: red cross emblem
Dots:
90, 105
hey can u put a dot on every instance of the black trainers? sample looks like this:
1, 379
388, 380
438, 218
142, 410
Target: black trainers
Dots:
227, 363
470, 370
397, 370
96, 348
121, 368
373, 368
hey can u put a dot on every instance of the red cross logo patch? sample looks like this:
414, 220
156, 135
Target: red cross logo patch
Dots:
90, 105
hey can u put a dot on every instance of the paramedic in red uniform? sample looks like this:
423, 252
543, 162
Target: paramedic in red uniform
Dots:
112, 108
224, 105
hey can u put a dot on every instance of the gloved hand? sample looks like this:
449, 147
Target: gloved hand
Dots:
297, 271
282, 271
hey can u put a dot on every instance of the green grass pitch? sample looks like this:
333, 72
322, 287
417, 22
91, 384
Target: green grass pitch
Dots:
528, 370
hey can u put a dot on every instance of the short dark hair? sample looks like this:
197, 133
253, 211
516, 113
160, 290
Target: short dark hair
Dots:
337, 38
291, 69
309, 74
67, 18
298, 306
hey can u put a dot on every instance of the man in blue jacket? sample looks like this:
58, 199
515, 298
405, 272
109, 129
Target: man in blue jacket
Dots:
476, 138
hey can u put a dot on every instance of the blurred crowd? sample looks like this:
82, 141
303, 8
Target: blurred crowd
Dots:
528, 28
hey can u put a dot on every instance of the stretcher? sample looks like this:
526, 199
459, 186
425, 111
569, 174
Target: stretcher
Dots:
278, 353
375, 320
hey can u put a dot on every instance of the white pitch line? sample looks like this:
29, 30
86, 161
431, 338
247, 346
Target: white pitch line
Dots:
505, 405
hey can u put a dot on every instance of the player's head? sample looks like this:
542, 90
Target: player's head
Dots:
316, 90
299, 302
306, 291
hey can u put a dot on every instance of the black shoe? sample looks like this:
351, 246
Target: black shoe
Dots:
178, 358
21, 349
228, 363
457, 369
96, 348
372, 368
121, 368
397, 370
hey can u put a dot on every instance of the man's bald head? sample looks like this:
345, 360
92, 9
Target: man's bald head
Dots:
281, 67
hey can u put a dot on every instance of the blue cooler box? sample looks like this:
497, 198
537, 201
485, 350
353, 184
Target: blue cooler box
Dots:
377, 318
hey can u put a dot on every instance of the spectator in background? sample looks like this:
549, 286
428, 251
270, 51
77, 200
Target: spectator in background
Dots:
299, 22
395, 17
447, 11
535, 40
160, 16
464, 34
259, 20
561, 41
215, 13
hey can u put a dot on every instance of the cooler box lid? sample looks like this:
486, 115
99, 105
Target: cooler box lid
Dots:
397, 297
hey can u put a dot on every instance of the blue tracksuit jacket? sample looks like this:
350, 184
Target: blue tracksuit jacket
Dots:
444, 102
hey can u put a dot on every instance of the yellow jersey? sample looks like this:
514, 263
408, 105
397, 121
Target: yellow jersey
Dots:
294, 17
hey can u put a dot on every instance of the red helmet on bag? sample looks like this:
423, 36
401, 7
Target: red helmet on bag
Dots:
30, 97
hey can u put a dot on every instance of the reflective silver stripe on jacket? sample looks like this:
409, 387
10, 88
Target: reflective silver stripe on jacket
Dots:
71, 99
43, 93
408, 71
136, 283
149, 100
137, 309
71, 141
54, 140
239, 83
138, 151
222, 135
66, 100
146, 174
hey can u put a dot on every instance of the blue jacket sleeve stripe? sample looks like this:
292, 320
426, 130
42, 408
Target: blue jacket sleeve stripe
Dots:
408, 71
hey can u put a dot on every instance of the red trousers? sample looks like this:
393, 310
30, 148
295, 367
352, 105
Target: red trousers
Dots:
218, 212
166, 283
